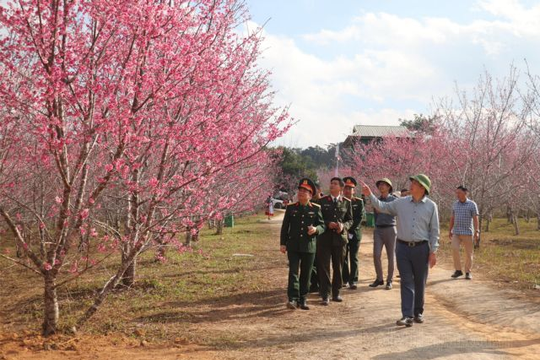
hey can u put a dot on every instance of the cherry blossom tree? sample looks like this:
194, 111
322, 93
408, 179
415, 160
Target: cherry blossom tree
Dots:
142, 103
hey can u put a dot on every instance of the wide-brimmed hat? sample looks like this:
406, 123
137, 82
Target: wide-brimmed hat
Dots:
386, 181
423, 180
307, 184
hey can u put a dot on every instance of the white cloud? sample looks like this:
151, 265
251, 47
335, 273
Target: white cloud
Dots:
388, 67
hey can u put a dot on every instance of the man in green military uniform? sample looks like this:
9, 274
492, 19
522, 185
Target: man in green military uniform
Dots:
302, 222
350, 265
338, 218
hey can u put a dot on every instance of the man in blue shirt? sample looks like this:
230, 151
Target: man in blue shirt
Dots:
417, 243
463, 223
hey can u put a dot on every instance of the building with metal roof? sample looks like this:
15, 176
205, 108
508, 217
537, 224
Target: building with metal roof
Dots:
367, 133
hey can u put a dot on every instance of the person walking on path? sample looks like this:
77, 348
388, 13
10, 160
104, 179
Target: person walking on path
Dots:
350, 265
302, 222
269, 207
417, 243
384, 235
463, 227
338, 219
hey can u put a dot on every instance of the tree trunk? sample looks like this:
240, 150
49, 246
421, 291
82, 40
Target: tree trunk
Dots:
219, 227
538, 221
107, 288
488, 223
50, 310
528, 216
189, 237
128, 279
515, 223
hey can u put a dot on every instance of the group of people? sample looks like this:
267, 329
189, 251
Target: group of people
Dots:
320, 233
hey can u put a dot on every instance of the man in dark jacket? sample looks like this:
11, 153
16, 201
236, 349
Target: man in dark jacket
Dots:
338, 218
302, 222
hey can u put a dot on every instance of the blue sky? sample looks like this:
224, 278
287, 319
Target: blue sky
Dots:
342, 63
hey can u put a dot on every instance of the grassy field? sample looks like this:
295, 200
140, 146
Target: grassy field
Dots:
168, 301
503, 256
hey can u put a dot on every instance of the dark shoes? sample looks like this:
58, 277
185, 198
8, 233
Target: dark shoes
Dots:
353, 286
468, 276
419, 319
325, 301
376, 283
337, 298
457, 274
405, 321
292, 304
303, 304
388, 285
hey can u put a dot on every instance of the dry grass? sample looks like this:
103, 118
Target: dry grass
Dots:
169, 301
177, 300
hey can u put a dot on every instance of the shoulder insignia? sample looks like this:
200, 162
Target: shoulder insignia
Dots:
314, 204
291, 204
344, 198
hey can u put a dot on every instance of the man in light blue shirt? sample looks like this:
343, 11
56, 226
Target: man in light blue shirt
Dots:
417, 243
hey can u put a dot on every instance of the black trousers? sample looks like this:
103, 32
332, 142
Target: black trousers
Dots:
300, 265
330, 254
350, 264
314, 287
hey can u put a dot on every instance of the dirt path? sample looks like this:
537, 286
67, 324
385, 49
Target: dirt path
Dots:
464, 320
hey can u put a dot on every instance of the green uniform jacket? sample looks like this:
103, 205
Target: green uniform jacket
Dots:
359, 213
294, 230
342, 213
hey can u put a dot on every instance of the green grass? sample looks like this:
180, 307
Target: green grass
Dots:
504, 256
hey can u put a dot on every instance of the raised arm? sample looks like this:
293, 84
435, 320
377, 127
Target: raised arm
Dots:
383, 207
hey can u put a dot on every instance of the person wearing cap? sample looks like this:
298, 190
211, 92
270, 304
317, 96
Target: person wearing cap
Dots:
417, 243
350, 264
338, 218
463, 223
384, 235
302, 222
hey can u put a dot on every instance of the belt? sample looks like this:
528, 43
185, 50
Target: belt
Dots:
412, 243
384, 226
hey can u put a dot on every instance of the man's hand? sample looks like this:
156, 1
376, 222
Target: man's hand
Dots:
332, 225
311, 230
476, 240
339, 227
365, 189
450, 235
283, 249
432, 260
